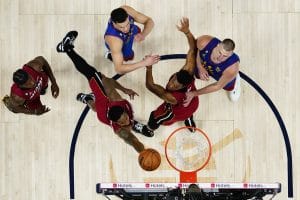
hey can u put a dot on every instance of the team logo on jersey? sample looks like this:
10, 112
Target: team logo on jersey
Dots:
218, 69
210, 69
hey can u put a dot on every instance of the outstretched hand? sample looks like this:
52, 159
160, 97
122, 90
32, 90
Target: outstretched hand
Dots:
130, 93
184, 25
151, 59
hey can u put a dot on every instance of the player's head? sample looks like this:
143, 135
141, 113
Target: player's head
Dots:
22, 79
179, 80
120, 20
224, 50
117, 114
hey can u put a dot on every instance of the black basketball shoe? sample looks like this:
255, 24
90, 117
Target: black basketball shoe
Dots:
108, 56
84, 98
142, 129
189, 122
67, 42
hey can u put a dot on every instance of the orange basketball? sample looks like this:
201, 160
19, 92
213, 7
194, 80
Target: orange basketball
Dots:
149, 159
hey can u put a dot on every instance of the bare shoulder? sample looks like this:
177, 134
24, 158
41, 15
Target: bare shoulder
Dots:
113, 42
37, 63
203, 40
232, 70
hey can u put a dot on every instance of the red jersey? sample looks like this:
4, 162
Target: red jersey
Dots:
179, 112
32, 95
103, 104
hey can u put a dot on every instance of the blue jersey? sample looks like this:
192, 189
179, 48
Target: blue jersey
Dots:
216, 70
127, 38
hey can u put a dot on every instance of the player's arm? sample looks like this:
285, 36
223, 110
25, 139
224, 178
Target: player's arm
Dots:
157, 89
228, 75
130, 139
16, 105
40, 64
113, 84
115, 45
191, 55
140, 18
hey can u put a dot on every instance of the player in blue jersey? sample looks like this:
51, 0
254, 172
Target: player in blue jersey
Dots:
120, 34
216, 58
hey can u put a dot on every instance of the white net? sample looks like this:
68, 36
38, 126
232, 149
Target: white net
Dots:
188, 151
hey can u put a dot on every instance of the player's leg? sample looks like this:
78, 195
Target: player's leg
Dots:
67, 46
161, 115
189, 122
88, 99
83, 67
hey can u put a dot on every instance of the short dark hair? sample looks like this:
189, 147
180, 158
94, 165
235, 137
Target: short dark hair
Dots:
184, 77
115, 113
118, 15
20, 77
228, 44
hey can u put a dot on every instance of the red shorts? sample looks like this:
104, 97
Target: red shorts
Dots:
33, 104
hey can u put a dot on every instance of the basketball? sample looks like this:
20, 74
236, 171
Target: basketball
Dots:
149, 159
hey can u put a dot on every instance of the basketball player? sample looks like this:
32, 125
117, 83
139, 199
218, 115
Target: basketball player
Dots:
172, 110
216, 58
120, 34
111, 108
29, 83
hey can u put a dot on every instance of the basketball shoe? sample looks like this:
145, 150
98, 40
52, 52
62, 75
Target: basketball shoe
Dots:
67, 43
108, 56
236, 92
84, 98
142, 128
189, 122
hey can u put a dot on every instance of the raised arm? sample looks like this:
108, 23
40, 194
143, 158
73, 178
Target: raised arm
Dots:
115, 84
142, 19
130, 139
157, 89
115, 45
191, 55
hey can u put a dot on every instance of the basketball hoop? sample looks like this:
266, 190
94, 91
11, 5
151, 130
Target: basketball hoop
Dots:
188, 152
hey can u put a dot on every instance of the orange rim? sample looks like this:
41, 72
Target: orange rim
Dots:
203, 165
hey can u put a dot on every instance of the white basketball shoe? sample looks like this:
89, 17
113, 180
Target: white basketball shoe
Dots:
236, 92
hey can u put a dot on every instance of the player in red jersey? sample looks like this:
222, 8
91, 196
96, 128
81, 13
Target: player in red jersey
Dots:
111, 108
172, 110
29, 83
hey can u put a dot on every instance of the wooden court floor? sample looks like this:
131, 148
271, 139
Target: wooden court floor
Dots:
247, 141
